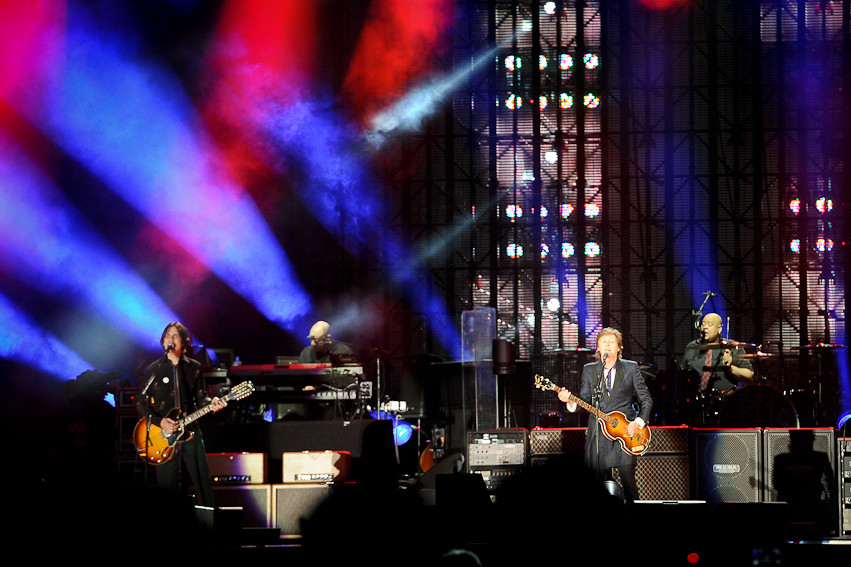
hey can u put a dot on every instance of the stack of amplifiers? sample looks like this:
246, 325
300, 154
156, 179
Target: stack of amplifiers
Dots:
497, 454
799, 468
844, 454
793, 465
727, 464
240, 482
661, 474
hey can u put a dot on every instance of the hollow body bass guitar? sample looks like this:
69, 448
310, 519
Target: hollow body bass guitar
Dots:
612, 424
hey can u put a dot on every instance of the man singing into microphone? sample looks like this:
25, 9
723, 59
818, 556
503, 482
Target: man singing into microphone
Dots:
615, 382
175, 381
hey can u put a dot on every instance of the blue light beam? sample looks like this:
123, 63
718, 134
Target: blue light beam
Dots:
46, 243
22, 340
339, 189
132, 125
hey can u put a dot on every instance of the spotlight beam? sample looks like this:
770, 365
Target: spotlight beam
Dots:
408, 112
131, 124
22, 340
46, 243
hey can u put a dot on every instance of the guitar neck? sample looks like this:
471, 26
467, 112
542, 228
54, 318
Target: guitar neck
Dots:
198, 414
599, 413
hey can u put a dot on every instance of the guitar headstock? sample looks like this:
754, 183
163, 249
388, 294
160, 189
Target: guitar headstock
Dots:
242, 390
544, 383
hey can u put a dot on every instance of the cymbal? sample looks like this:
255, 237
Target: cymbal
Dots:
758, 354
727, 344
821, 345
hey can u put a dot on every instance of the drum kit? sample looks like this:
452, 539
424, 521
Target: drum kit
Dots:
762, 403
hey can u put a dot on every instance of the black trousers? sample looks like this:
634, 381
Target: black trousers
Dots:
192, 455
628, 482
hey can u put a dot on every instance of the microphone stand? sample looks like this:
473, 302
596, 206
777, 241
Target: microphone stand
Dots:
597, 397
148, 412
699, 313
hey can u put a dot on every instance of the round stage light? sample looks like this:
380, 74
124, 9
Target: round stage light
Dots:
843, 419
402, 430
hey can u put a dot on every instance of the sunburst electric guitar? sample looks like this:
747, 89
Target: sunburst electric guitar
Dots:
157, 448
612, 424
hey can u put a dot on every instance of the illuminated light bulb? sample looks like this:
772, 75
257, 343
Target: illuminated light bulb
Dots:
542, 62
566, 209
795, 246
513, 211
591, 60
592, 210
592, 249
513, 102
514, 251
567, 250
824, 205
565, 100
824, 244
545, 250
544, 212
543, 102
565, 61
591, 100
554, 304
551, 156
550, 8
795, 205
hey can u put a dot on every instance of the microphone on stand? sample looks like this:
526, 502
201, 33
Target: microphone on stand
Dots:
601, 382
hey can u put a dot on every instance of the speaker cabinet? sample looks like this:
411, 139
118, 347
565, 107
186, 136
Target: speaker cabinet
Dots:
728, 465
799, 468
254, 499
666, 440
844, 486
237, 468
569, 441
663, 477
295, 503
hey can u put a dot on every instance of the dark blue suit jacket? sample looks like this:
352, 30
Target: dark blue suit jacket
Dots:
629, 385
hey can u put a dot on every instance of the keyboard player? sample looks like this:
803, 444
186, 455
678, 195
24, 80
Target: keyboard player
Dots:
322, 345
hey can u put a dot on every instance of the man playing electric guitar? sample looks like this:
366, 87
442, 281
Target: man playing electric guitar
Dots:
175, 381
617, 381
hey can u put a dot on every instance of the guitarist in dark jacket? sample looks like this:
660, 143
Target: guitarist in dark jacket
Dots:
617, 381
175, 381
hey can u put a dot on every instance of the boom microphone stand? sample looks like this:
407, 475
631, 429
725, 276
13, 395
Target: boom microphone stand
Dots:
597, 397
146, 398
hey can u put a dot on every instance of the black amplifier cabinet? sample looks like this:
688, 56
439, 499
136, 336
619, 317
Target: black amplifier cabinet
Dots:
497, 454
844, 474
